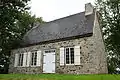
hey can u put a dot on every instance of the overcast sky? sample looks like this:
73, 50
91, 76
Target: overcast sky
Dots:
53, 9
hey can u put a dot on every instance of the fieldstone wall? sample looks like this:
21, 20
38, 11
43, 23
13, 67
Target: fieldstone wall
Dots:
93, 56
26, 70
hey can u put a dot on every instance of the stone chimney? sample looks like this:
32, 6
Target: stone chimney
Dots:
88, 9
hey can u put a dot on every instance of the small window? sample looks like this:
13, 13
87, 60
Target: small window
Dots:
69, 55
34, 58
49, 51
20, 62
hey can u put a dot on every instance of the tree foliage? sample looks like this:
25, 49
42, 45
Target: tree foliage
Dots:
24, 24
15, 21
109, 11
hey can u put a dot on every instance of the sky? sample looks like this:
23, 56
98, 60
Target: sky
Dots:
54, 9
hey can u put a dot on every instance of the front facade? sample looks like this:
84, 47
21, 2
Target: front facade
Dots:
73, 50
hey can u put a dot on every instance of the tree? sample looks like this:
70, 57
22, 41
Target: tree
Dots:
15, 21
109, 11
24, 24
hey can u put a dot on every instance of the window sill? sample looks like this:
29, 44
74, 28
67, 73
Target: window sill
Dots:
26, 66
34, 66
19, 66
71, 65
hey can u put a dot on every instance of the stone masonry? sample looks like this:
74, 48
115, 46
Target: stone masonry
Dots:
92, 50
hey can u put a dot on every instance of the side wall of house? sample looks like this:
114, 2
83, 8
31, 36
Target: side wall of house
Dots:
99, 47
92, 55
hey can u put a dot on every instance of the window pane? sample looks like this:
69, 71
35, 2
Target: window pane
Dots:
32, 57
72, 55
35, 58
19, 60
22, 60
67, 55
46, 51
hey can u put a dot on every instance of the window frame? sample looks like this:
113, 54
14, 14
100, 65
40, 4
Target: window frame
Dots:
19, 60
69, 55
35, 52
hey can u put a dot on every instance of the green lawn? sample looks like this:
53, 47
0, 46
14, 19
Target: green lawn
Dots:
57, 77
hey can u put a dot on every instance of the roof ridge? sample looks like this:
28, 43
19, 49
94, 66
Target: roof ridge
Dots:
34, 27
65, 17
69, 26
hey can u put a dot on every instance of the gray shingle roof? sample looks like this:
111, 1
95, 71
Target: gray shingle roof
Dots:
74, 25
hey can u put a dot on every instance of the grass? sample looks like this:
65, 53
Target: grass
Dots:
57, 77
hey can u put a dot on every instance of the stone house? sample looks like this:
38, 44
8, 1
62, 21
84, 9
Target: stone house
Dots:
69, 45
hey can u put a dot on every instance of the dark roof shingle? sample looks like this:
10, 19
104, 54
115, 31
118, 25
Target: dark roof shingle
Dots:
74, 25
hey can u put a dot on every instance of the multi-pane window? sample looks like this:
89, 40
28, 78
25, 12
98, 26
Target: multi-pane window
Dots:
69, 55
28, 59
20, 61
34, 58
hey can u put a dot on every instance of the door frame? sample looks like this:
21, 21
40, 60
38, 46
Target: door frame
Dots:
43, 60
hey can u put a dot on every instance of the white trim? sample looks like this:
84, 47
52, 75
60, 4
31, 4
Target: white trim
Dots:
39, 58
16, 60
24, 59
28, 59
77, 55
62, 56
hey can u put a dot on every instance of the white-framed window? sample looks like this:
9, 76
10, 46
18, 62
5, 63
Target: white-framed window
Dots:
20, 60
69, 55
34, 58
28, 59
